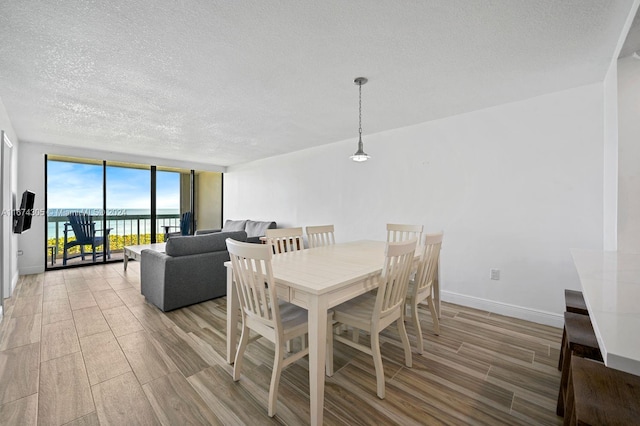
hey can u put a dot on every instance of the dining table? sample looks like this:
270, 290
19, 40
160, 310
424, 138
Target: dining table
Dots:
316, 279
611, 288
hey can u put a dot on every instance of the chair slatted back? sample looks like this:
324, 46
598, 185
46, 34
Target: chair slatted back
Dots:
83, 227
284, 240
320, 236
428, 267
394, 282
254, 281
185, 223
398, 232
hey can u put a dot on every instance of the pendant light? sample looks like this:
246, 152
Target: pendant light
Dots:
360, 155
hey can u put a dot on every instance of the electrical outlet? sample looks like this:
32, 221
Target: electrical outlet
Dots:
494, 274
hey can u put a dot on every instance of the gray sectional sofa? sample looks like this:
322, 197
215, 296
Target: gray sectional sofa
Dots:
254, 229
191, 270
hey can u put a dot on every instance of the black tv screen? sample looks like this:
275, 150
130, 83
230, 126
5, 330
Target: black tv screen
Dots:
22, 217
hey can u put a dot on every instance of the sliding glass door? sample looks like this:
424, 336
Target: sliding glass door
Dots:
168, 202
128, 205
75, 213
122, 204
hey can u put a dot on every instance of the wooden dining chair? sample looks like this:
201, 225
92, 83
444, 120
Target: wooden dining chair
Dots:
373, 312
600, 395
397, 232
319, 236
262, 312
421, 287
574, 303
284, 240
579, 340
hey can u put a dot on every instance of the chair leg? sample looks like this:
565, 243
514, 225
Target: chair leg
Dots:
329, 357
237, 365
434, 316
64, 247
564, 339
82, 252
408, 361
288, 346
416, 326
355, 336
377, 362
569, 404
564, 379
275, 379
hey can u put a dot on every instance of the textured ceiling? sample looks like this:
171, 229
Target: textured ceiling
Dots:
225, 82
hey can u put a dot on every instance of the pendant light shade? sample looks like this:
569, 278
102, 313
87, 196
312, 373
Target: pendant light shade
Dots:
360, 155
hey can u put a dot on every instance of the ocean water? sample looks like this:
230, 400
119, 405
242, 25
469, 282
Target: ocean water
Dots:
121, 221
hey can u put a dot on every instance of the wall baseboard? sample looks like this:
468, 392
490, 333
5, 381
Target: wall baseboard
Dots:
31, 270
14, 283
528, 314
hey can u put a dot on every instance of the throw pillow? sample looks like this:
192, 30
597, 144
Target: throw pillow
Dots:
257, 229
234, 225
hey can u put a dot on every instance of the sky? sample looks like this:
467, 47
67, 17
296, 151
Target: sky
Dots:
75, 186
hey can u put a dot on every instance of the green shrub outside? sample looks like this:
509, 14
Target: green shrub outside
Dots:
116, 242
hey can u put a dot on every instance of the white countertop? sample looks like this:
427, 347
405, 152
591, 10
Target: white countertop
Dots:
611, 288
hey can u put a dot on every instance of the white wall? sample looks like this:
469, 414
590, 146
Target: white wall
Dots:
208, 200
8, 256
610, 156
513, 187
629, 155
31, 176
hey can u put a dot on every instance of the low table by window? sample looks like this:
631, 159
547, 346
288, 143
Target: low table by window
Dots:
135, 252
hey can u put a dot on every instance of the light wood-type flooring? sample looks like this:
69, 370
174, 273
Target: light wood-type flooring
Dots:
82, 347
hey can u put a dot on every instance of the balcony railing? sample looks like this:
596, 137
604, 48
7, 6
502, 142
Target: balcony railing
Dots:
125, 230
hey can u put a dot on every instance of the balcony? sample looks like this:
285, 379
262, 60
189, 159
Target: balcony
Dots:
126, 230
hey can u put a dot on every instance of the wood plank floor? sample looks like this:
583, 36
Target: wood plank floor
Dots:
82, 346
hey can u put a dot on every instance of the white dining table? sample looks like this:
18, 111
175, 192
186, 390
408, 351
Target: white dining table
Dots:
316, 279
611, 289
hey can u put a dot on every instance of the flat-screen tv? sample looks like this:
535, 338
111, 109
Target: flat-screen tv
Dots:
22, 216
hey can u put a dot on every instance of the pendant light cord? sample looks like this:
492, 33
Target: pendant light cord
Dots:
360, 110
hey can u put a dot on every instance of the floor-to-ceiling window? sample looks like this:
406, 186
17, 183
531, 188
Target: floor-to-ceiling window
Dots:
169, 206
75, 190
128, 204
124, 203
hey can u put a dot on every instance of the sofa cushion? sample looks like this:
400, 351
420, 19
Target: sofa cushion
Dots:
257, 229
188, 245
234, 225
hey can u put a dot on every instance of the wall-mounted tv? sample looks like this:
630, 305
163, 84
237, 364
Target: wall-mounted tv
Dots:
22, 216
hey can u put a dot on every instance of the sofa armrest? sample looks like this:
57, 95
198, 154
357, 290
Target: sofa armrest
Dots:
152, 272
207, 231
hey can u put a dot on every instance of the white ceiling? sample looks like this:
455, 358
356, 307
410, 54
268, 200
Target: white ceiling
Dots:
225, 82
